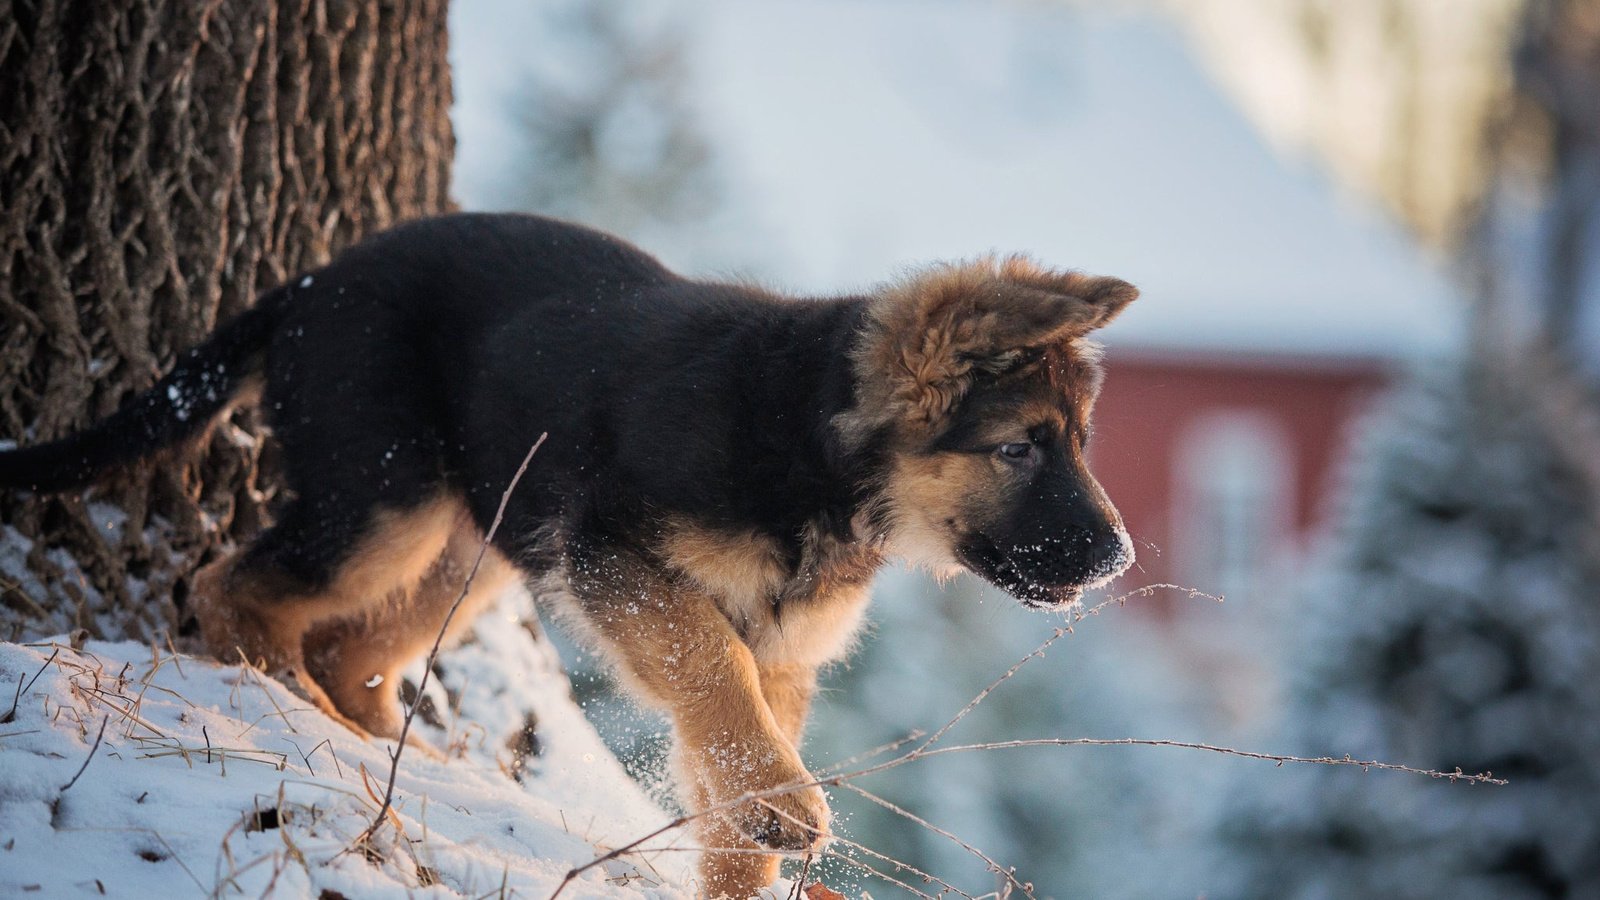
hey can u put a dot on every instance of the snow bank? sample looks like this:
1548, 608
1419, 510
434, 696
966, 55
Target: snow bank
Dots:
212, 780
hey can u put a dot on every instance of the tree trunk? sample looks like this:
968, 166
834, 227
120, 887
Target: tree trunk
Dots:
161, 161
1557, 80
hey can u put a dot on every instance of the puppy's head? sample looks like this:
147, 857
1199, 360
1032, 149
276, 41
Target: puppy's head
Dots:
978, 379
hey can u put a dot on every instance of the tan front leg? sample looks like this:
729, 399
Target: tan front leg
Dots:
788, 690
677, 648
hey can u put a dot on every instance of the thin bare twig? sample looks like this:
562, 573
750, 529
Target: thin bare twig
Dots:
1346, 760
901, 866
81, 769
835, 780
797, 891
609, 855
890, 747
1009, 874
1038, 652
433, 654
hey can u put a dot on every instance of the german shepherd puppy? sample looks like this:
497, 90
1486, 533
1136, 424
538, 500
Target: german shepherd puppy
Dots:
725, 470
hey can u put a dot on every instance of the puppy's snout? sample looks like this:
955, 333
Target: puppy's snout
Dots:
1107, 554
1082, 557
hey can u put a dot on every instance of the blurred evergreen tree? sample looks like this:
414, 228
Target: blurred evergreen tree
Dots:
1456, 624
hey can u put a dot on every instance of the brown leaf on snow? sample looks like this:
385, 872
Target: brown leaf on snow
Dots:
816, 890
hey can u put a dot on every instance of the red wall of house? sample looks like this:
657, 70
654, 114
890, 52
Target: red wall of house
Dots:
1152, 400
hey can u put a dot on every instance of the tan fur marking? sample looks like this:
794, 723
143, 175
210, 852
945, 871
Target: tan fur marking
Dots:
931, 499
736, 568
1015, 427
742, 571
811, 632
242, 611
358, 659
788, 690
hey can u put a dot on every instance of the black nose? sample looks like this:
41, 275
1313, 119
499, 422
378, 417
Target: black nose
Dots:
1080, 556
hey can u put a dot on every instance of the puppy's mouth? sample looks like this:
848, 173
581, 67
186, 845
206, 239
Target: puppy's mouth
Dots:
984, 558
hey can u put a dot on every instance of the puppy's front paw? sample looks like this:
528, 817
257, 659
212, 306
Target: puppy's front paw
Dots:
794, 820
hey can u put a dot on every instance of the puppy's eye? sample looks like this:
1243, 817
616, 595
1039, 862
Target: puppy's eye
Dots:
1016, 451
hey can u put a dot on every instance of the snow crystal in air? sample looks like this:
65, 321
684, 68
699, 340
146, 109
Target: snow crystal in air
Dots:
180, 404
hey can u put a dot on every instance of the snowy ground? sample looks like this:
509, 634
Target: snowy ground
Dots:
212, 781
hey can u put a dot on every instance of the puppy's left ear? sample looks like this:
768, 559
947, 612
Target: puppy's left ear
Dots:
1077, 303
926, 336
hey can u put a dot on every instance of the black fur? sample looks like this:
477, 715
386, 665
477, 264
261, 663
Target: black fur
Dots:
430, 357
177, 408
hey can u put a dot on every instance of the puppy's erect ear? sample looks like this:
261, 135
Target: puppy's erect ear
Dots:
1078, 303
926, 335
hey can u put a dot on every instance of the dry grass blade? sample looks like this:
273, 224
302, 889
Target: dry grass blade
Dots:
103, 723
278, 711
433, 654
161, 747
11, 714
384, 809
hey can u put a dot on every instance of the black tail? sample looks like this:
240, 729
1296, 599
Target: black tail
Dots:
180, 405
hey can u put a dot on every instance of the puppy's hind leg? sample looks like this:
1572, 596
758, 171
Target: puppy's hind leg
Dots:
321, 561
358, 659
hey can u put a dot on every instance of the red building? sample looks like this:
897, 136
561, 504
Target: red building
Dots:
1222, 464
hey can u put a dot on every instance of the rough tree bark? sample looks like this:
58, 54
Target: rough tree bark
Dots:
160, 162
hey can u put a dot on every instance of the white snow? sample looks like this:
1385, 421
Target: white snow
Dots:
157, 813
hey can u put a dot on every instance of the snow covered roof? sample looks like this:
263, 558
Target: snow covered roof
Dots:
864, 137
882, 134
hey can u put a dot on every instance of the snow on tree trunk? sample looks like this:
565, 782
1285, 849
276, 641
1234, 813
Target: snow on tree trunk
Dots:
161, 162
1456, 624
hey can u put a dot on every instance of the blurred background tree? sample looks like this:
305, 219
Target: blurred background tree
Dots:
1474, 122
1454, 618
1455, 624
610, 138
